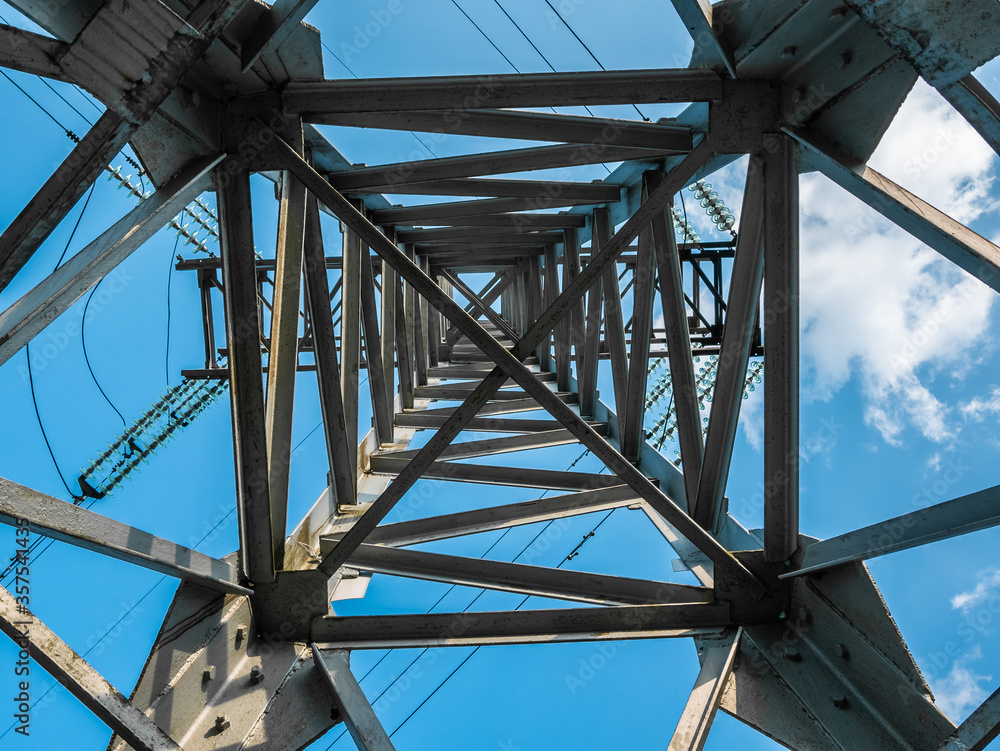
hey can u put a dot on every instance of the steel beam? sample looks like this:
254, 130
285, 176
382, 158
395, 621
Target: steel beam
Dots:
386, 176
446, 526
532, 194
699, 712
524, 477
678, 337
283, 355
491, 446
350, 338
95, 693
463, 93
421, 421
357, 713
744, 294
509, 363
528, 126
540, 581
85, 529
389, 336
338, 440
431, 213
246, 388
479, 306
588, 368
979, 729
978, 106
781, 350
697, 17
953, 240
272, 28
380, 395
614, 323
60, 192
520, 626
24, 319
31, 53
943, 521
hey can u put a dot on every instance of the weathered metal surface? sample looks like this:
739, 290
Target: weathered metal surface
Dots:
69, 523
209, 661
24, 319
943, 41
55, 657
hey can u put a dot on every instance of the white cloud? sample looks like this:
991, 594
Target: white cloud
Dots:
876, 303
958, 692
978, 408
984, 590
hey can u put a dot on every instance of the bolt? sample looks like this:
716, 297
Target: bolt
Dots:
256, 674
838, 14
209, 673
789, 51
843, 651
222, 722
844, 59
804, 615
840, 701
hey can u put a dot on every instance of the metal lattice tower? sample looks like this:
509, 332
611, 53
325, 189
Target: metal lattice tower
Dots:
792, 635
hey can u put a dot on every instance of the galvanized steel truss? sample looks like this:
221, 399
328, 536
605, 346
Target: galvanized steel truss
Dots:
793, 636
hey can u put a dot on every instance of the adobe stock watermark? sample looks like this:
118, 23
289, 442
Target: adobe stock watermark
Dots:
45, 349
363, 34
588, 668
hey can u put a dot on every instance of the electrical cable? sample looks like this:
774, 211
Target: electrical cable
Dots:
447, 592
535, 48
346, 67
589, 51
170, 275
485, 35
34, 402
519, 605
86, 357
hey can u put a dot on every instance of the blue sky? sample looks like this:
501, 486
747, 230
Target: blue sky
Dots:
900, 402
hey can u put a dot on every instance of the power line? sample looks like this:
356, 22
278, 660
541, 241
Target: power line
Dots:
346, 67
86, 357
589, 51
485, 35
34, 402
535, 48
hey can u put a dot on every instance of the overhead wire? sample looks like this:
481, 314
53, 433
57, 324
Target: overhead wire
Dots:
541, 55
346, 67
589, 51
518, 607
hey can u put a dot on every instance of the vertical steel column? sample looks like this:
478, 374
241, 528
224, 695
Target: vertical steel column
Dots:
338, 441
420, 329
642, 325
591, 350
256, 556
614, 327
781, 350
350, 335
678, 336
389, 284
404, 363
283, 358
561, 337
576, 321
381, 411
